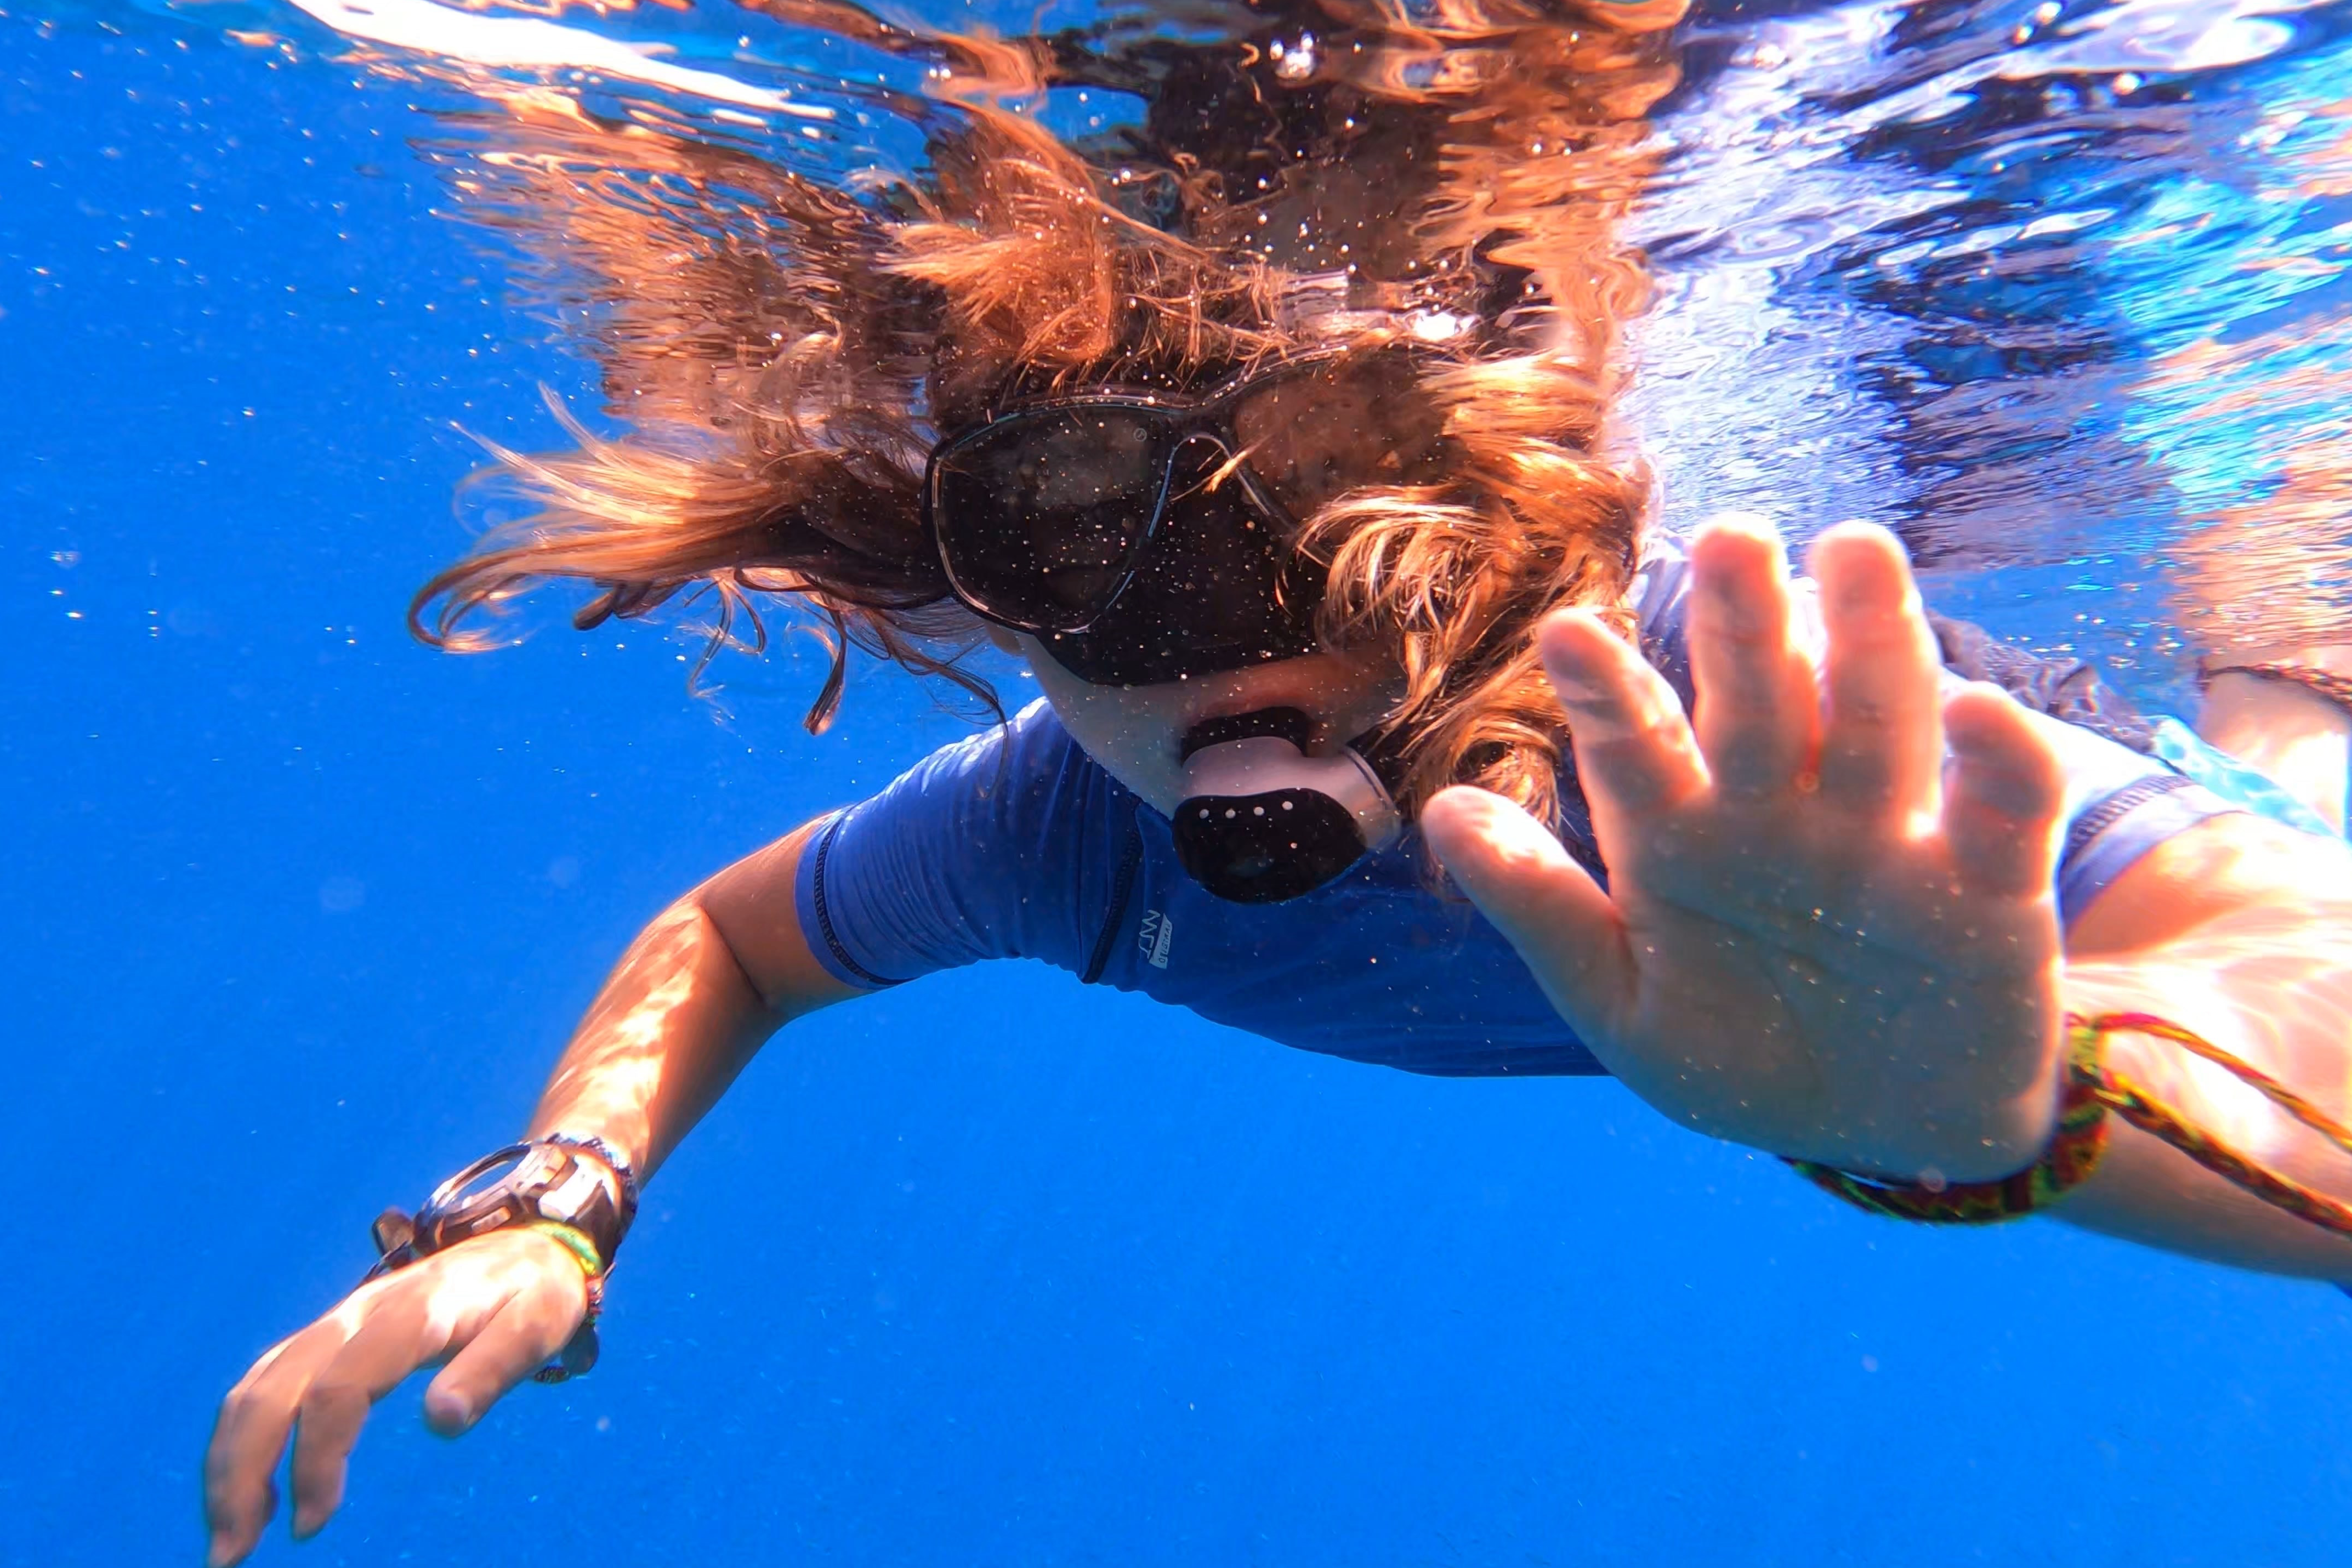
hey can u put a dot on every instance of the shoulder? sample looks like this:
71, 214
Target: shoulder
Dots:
1020, 768
1015, 804
1031, 740
991, 847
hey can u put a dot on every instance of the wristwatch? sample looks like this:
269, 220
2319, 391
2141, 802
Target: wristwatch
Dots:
580, 1185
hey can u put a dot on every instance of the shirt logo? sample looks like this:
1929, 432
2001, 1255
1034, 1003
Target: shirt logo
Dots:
1158, 931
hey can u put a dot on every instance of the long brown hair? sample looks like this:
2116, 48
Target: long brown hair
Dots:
786, 348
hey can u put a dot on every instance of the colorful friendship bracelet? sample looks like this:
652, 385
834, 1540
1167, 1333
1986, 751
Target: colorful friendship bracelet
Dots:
2151, 1115
579, 1352
2091, 1091
573, 1240
2072, 1154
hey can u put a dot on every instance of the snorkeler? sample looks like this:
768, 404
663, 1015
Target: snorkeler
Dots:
1272, 440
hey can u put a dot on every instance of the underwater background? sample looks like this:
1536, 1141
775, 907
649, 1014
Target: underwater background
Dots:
997, 1269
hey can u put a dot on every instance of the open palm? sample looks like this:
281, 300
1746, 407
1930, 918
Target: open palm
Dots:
1829, 928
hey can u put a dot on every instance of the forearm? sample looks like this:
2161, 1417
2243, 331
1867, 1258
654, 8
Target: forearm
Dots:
687, 1006
2272, 985
674, 1023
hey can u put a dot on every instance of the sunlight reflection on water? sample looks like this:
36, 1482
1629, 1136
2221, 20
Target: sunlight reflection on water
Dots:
2037, 310
2056, 290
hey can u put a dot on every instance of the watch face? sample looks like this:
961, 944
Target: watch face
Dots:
517, 1185
486, 1176
490, 1197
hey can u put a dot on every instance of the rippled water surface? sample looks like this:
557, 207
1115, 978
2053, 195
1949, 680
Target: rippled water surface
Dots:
997, 1269
2061, 284
2052, 287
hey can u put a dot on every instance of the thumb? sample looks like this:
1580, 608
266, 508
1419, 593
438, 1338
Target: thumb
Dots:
1561, 921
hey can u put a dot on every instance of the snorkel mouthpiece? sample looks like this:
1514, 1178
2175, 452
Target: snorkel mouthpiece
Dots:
1263, 822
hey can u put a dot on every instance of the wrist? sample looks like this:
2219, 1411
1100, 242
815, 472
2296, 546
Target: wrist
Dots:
2333, 657
2099, 1082
606, 1157
1955, 1131
576, 1190
579, 1184
2060, 1161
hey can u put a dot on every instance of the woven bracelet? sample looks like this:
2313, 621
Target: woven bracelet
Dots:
2072, 1155
573, 1240
580, 1352
2091, 1090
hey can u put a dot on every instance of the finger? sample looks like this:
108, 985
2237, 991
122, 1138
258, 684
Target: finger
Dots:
1635, 754
249, 1436
531, 1328
2002, 795
397, 1338
1881, 735
1757, 709
1561, 924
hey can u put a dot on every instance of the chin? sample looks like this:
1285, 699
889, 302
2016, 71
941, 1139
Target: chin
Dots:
1138, 732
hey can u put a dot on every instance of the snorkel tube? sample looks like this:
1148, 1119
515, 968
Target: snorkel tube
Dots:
1262, 822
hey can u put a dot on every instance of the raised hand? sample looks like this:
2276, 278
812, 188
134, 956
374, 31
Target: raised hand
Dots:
1830, 929
493, 1309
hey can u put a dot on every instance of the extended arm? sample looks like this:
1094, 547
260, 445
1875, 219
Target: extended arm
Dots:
1830, 929
683, 1011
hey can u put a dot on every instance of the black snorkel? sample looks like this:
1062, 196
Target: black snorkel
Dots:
1261, 822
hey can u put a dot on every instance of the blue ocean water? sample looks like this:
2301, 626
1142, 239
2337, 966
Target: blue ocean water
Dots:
996, 1269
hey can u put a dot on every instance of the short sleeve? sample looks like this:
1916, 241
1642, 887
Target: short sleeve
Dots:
988, 849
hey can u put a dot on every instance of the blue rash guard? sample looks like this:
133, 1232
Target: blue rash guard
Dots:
1015, 844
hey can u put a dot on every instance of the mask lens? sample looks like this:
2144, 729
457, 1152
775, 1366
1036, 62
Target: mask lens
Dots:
1314, 436
1041, 518
1207, 595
